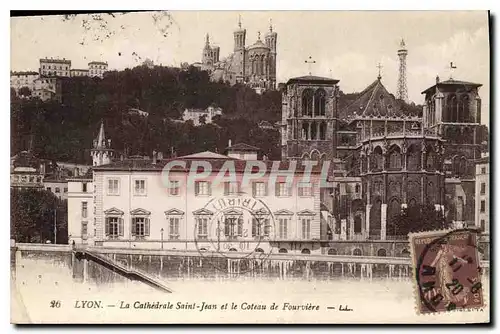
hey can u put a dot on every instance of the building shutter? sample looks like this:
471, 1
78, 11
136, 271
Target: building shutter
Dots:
133, 226
267, 227
226, 227
209, 186
226, 188
254, 227
120, 227
277, 189
265, 188
106, 226
240, 226
146, 227
254, 189
197, 188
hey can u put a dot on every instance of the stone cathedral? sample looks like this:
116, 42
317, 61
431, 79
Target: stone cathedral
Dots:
253, 65
386, 157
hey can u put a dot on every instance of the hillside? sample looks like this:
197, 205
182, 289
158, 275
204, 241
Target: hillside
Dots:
64, 131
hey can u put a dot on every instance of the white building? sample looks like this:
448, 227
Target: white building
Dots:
127, 204
47, 88
55, 67
97, 68
79, 72
23, 79
242, 151
482, 206
196, 114
80, 209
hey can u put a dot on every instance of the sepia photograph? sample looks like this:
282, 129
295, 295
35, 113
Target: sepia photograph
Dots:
250, 167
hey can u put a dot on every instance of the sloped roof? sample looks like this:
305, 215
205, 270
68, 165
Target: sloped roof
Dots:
374, 100
312, 79
452, 82
242, 147
215, 160
205, 155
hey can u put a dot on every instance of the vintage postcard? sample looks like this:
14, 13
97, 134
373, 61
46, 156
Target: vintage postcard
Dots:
218, 167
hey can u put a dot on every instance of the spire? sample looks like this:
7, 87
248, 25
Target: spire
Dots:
207, 41
101, 139
258, 36
270, 25
239, 21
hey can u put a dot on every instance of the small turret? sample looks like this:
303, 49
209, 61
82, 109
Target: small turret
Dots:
101, 152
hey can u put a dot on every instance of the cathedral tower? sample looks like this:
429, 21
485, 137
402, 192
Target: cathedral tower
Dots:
309, 118
271, 41
101, 152
239, 37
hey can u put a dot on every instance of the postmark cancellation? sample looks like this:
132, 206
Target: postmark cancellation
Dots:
446, 271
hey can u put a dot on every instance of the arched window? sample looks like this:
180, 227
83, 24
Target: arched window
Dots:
430, 160
395, 157
282, 250
305, 156
259, 250
306, 251
394, 210
322, 131
332, 251
465, 115
456, 166
314, 130
382, 252
412, 202
305, 132
413, 162
357, 188
319, 102
451, 108
307, 102
357, 223
375, 218
377, 160
314, 155
357, 252
463, 167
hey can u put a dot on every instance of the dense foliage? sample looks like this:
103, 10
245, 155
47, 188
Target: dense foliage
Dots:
64, 131
32, 216
416, 218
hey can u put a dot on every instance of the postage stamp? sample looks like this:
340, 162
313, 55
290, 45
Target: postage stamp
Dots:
447, 271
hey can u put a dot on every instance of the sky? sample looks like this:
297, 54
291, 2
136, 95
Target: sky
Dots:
346, 45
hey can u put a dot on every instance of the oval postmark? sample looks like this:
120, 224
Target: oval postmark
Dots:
447, 271
239, 229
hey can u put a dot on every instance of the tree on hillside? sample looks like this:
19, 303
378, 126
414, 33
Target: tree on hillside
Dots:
24, 91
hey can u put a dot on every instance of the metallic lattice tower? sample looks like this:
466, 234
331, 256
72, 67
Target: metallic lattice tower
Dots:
402, 85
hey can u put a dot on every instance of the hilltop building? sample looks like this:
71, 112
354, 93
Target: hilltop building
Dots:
253, 65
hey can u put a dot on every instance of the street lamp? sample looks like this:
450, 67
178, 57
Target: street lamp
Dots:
161, 231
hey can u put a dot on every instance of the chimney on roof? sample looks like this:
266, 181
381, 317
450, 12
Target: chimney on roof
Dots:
437, 79
229, 144
154, 157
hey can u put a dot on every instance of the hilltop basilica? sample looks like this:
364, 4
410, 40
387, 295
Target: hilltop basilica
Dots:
253, 65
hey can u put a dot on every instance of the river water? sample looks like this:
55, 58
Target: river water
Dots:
45, 292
